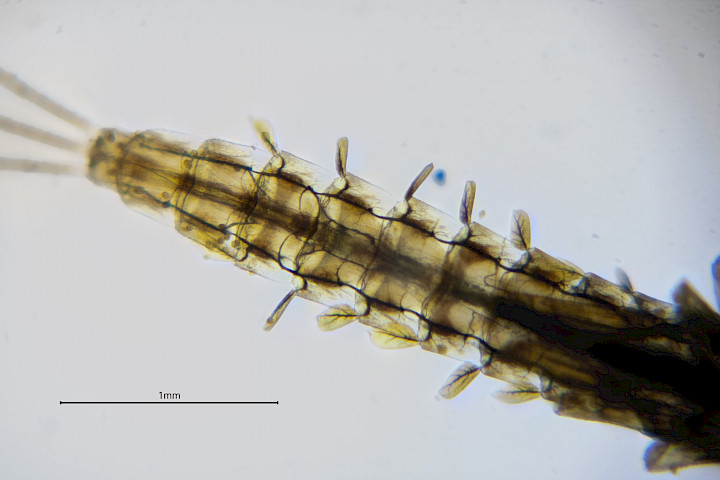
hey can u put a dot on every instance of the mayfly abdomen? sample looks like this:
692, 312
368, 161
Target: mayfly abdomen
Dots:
418, 278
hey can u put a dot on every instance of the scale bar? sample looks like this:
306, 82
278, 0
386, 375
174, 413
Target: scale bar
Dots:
167, 403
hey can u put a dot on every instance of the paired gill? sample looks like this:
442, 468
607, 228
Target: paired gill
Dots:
596, 350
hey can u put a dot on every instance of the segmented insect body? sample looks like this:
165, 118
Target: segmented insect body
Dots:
597, 350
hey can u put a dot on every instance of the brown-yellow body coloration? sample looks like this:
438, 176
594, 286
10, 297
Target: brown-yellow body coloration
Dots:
596, 350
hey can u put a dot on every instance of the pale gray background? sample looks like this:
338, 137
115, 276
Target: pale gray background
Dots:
600, 118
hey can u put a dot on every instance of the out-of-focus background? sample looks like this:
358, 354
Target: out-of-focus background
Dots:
600, 118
